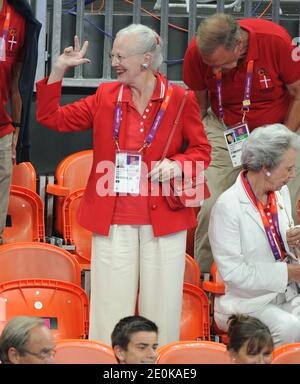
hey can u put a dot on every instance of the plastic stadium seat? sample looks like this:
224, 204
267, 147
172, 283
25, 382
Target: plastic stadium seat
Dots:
73, 232
287, 354
192, 271
193, 352
63, 305
24, 175
26, 216
72, 351
195, 314
215, 288
37, 260
71, 174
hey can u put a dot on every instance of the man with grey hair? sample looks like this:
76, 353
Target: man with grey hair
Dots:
254, 241
245, 71
26, 340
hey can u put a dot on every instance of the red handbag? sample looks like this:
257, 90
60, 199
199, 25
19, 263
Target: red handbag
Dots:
185, 192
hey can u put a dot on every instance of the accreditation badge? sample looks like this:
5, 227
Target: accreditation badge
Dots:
235, 136
127, 172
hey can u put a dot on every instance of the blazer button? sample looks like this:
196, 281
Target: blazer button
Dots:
154, 207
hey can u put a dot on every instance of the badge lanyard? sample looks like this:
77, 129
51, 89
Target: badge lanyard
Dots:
274, 238
247, 92
159, 116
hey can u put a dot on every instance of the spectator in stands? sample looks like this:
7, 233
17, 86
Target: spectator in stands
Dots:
254, 240
138, 240
250, 340
26, 340
217, 62
19, 32
134, 340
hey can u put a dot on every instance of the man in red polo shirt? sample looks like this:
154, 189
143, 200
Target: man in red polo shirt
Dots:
247, 73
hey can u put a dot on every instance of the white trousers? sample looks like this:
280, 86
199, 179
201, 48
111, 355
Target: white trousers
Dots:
283, 320
132, 259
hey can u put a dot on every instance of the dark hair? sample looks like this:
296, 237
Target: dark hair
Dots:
249, 329
129, 325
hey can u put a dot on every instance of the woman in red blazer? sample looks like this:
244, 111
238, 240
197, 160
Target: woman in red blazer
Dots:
138, 241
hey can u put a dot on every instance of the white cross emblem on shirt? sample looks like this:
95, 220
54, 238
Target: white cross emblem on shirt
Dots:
265, 81
12, 42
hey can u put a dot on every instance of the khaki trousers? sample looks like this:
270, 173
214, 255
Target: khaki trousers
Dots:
5, 176
131, 258
220, 176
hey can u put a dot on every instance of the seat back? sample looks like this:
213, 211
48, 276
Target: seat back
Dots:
215, 288
37, 260
26, 214
72, 173
193, 352
287, 354
195, 314
73, 232
72, 351
63, 305
192, 271
24, 175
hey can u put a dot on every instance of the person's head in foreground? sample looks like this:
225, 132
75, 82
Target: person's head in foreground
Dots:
250, 340
26, 340
134, 340
269, 155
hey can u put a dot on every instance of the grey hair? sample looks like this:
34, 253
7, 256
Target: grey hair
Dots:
219, 30
266, 145
147, 41
16, 334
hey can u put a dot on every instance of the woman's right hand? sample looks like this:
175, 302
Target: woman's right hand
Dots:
71, 57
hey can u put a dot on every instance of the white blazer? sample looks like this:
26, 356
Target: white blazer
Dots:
242, 253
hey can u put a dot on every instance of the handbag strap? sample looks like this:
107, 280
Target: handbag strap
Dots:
174, 125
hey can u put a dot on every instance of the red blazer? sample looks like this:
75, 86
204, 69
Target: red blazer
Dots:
97, 111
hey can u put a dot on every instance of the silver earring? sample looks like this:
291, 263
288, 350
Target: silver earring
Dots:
268, 173
145, 65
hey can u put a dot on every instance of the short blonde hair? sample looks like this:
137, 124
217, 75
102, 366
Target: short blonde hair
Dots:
219, 30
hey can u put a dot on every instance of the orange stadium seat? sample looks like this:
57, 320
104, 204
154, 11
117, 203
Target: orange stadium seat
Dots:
73, 232
71, 174
194, 323
24, 175
25, 216
193, 352
213, 289
192, 271
287, 354
73, 351
37, 260
63, 305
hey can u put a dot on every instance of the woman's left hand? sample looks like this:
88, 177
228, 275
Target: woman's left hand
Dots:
165, 170
293, 236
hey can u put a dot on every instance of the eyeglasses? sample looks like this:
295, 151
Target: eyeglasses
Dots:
118, 57
41, 355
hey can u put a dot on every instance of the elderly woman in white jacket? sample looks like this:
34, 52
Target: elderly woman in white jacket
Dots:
254, 240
